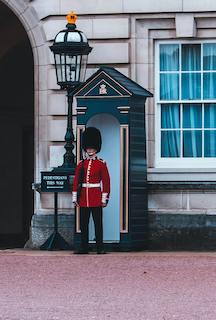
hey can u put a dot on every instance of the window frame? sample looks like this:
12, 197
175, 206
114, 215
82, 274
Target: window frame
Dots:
178, 162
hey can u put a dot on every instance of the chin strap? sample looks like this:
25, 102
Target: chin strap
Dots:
88, 157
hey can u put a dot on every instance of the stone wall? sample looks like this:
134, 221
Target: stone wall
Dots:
123, 34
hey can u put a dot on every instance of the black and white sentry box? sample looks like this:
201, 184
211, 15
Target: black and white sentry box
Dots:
56, 182
115, 104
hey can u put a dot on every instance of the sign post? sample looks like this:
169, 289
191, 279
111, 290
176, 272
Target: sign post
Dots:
53, 182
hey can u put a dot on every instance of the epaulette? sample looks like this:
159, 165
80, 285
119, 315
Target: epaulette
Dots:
102, 160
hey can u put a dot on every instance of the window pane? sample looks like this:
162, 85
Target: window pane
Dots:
169, 57
210, 115
209, 56
170, 143
192, 143
191, 57
209, 85
170, 116
192, 116
191, 85
169, 86
210, 143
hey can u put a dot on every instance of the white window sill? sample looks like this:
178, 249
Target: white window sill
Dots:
186, 163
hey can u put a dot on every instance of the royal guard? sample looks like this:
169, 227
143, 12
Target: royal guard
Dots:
91, 189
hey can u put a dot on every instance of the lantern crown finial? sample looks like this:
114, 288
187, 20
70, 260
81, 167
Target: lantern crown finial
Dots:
71, 17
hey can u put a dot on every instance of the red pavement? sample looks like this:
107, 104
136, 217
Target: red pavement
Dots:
38, 285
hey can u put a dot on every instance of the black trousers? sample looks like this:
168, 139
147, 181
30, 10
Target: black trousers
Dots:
98, 224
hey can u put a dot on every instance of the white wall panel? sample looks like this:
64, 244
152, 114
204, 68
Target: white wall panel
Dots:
57, 130
91, 6
109, 53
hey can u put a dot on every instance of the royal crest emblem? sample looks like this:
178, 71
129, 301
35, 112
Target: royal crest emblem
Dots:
103, 89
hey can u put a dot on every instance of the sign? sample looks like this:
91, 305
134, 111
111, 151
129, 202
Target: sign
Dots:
56, 182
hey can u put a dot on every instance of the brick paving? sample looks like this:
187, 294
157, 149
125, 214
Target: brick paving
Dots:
38, 285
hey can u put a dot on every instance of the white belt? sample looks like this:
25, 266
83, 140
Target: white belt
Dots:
91, 185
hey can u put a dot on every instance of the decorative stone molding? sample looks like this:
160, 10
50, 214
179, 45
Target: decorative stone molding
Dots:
185, 25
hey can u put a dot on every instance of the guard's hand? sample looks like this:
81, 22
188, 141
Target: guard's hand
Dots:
104, 204
76, 204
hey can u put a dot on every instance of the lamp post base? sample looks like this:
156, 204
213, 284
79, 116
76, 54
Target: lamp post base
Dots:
55, 242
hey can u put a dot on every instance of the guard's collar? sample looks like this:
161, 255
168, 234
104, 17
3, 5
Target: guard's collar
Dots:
90, 158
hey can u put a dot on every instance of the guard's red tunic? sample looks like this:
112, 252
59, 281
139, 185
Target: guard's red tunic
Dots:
93, 194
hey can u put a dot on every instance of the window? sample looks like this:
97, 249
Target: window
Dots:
186, 104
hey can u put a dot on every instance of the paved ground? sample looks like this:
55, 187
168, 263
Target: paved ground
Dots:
38, 285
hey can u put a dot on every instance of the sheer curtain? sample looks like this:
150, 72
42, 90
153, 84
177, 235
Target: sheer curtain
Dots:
209, 92
209, 64
192, 139
170, 140
182, 126
169, 88
210, 135
169, 79
191, 81
169, 57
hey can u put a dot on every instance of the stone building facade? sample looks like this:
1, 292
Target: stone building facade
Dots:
149, 42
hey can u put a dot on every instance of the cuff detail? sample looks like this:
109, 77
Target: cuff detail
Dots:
74, 196
104, 197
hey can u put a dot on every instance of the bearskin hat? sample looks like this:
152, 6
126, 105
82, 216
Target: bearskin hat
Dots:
91, 138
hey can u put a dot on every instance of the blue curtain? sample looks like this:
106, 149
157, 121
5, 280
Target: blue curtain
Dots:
169, 57
170, 140
169, 61
209, 56
170, 143
192, 143
170, 116
191, 124
169, 88
210, 143
191, 57
192, 140
192, 116
209, 85
210, 135
191, 82
191, 86
210, 115
209, 64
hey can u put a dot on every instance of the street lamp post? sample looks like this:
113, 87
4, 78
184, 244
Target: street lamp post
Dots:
70, 49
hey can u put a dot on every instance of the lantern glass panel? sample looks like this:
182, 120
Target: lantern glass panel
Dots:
60, 67
78, 68
83, 68
73, 37
70, 68
60, 37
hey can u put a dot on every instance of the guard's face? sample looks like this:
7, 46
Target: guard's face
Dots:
91, 151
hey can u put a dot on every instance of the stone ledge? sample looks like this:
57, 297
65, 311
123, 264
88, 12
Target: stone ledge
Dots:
182, 185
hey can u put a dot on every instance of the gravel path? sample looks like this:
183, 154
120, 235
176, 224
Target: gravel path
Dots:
37, 285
